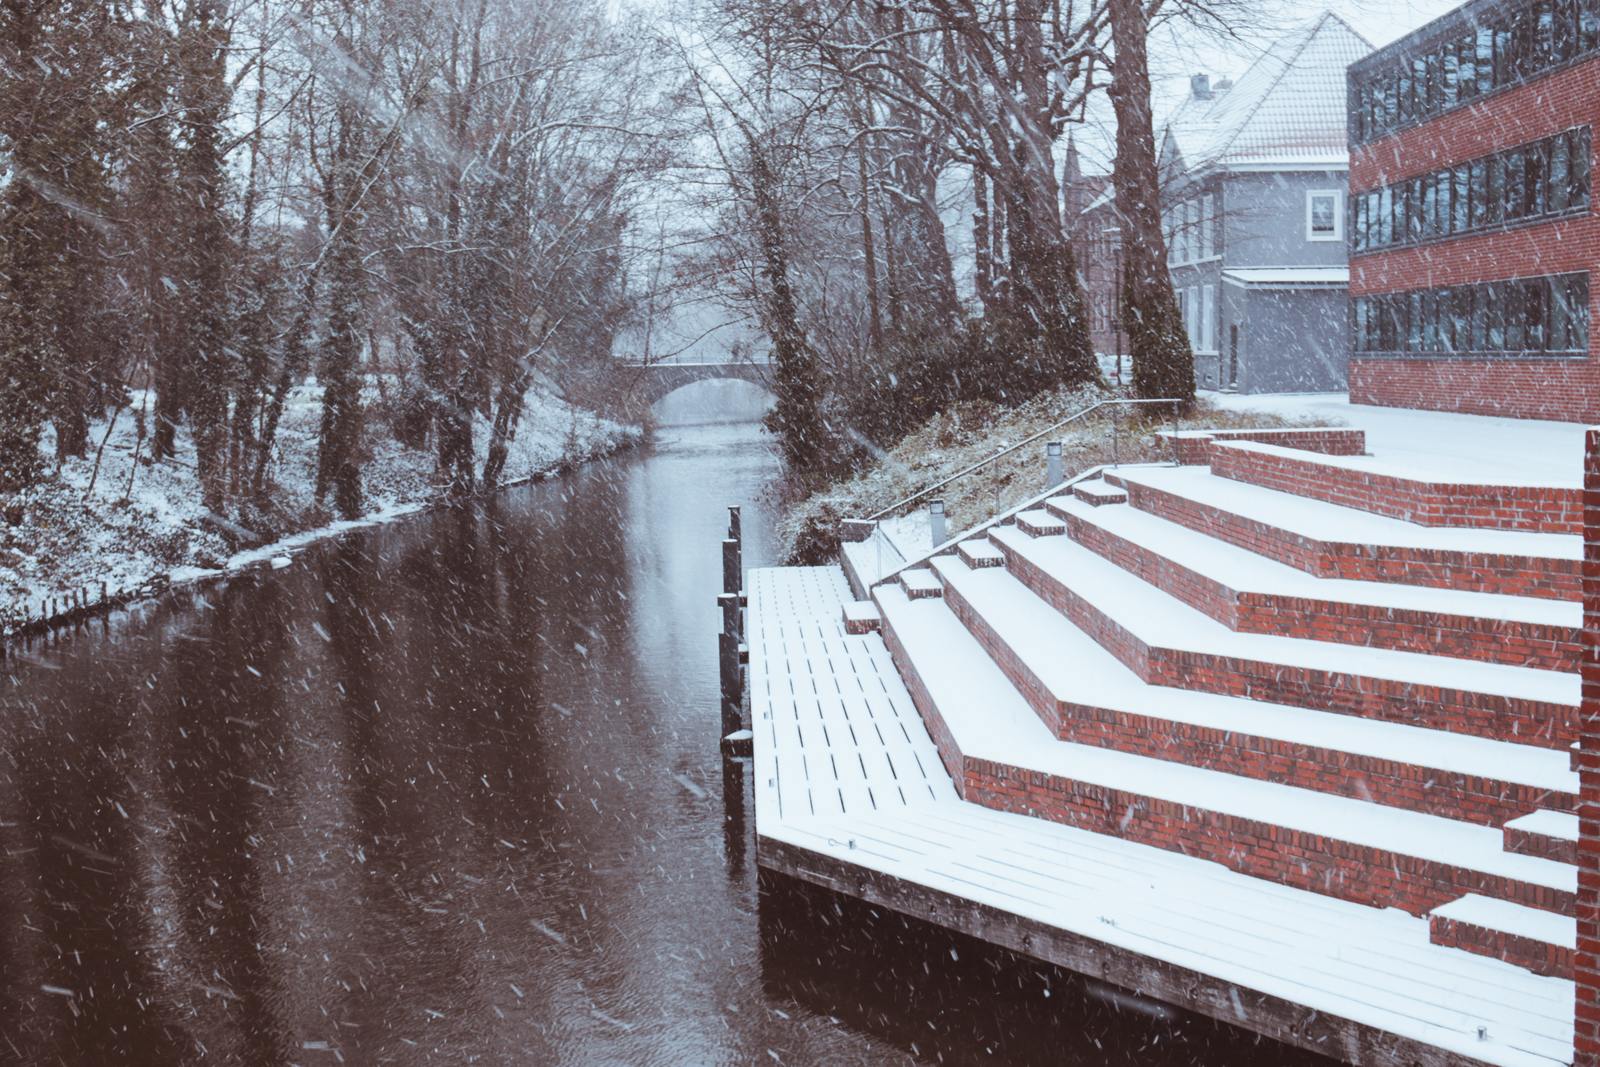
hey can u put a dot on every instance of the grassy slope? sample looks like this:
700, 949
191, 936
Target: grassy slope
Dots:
972, 432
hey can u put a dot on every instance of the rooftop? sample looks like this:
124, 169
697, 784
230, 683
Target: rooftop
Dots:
1286, 110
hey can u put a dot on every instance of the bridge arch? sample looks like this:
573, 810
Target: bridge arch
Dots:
656, 380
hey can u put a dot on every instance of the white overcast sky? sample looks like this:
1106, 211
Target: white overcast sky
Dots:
1174, 60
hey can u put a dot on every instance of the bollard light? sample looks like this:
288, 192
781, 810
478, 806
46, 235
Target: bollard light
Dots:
936, 522
1052, 462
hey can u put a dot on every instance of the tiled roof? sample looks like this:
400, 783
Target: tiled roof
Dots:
1287, 109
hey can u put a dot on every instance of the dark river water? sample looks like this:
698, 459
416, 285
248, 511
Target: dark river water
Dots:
449, 792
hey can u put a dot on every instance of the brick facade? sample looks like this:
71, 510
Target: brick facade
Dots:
1587, 957
1552, 387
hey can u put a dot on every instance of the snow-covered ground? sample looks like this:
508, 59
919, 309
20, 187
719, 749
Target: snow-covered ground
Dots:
1462, 448
132, 525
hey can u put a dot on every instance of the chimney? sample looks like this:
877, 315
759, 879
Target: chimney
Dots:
1200, 86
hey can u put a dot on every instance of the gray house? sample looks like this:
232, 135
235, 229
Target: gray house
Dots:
1254, 178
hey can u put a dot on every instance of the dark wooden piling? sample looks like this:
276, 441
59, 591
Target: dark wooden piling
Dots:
730, 639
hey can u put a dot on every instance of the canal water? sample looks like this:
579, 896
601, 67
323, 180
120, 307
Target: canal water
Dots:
449, 792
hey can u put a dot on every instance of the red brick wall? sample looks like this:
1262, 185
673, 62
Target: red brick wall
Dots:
1194, 448
1587, 965
1550, 389
1537, 956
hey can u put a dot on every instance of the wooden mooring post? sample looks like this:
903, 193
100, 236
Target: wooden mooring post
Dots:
731, 653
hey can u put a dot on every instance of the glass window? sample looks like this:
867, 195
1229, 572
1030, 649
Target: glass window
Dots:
1448, 77
1533, 181
1494, 330
1515, 191
1461, 200
1578, 166
1467, 67
1402, 90
1514, 310
1480, 309
1588, 25
1575, 297
1542, 29
1494, 200
1533, 310
1461, 319
1558, 173
1323, 215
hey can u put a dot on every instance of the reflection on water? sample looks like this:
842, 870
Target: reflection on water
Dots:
449, 792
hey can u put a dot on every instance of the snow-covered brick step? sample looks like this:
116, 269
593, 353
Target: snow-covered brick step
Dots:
1338, 542
1167, 642
1082, 693
980, 552
893, 816
1391, 487
1194, 446
1038, 522
1254, 593
921, 583
1099, 493
1551, 834
1539, 941
861, 617
1316, 841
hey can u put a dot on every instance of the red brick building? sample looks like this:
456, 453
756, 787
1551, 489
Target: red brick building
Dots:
1473, 229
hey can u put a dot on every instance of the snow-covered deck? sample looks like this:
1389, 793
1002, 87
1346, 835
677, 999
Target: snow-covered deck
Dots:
851, 794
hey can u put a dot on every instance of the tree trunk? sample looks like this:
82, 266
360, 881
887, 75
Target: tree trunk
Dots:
796, 416
1163, 363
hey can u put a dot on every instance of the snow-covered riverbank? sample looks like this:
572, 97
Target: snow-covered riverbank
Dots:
124, 525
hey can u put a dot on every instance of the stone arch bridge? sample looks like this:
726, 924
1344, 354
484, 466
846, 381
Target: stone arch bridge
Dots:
656, 380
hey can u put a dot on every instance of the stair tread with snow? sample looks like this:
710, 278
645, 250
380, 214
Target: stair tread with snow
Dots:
1098, 492
1268, 829
1543, 632
1549, 834
1332, 540
1073, 676
980, 552
920, 582
1190, 648
1540, 941
1037, 522
1436, 496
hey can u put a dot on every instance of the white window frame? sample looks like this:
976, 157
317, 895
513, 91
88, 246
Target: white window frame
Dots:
1338, 214
1208, 319
1207, 213
1192, 322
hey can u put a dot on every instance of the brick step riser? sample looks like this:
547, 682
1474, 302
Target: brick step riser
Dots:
1462, 637
1307, 861
1273, 853
1487, 802
1474, 572
1537, 956
1483, 507
1480, 714
1550, 848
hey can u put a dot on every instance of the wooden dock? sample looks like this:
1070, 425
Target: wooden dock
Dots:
851, 795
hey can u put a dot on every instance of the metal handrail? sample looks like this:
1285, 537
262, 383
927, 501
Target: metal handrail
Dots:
997, 519
919, 494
